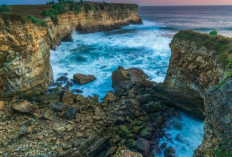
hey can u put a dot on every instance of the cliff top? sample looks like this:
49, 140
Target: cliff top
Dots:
220, 44
36, 10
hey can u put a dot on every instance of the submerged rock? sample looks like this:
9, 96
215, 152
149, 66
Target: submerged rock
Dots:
81, 79
170, 152
25, 107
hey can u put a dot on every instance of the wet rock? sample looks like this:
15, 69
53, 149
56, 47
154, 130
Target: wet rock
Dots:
176, 124
2, 106
123, 80
146, 133
25, 107
68, 97
58, 106
68, 85
71, 112
81, 79
77, 90
163, 146
110, 97
170, 152
143, 146
153, 106
62, 79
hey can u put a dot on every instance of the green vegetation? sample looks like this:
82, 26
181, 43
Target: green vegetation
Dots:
37, 21
214, 32
220, 153
65, 1
4, 9
55, 10
218, 44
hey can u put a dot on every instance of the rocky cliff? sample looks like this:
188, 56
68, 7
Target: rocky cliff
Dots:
199, 61
24, 51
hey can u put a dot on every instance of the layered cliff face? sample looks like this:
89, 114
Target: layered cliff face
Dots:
25, 48
199, 61
24, 57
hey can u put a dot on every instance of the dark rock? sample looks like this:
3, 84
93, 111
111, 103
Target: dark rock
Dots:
153, 106
58, 106
123, 80
170, 152
67, 97
163, 146
176, 124
111, 151
143, 146
146, 133
62, 79
70, 113
81, 79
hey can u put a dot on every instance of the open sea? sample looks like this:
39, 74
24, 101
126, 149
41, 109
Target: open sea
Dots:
143, 46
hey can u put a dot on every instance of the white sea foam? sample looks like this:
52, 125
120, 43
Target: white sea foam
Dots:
99, 54
186, 140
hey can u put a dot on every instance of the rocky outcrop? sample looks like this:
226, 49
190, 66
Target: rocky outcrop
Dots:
24, 57
218, 122
199, 61
24, 51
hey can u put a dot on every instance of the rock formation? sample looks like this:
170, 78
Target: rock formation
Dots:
25, 48
199, 61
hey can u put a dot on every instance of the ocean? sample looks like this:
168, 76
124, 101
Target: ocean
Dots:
143, 46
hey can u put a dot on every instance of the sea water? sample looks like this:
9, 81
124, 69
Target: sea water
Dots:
143, 46
99, 54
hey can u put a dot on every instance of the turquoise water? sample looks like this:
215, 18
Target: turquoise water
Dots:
184, 140
99, 54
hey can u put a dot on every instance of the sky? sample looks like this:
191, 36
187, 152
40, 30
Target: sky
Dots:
140, 2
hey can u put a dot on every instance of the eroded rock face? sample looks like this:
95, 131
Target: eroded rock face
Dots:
218, 121
25, 48
197, 62
24, 57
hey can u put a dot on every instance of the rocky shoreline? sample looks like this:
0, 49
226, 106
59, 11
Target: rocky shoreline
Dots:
61, 122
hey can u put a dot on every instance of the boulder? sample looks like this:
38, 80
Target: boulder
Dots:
67, 97
143, 146
124, 79
70, 113
81, 79
110, 97
25, 107
57, 106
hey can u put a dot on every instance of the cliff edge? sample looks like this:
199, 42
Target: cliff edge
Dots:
25, 47
200, 72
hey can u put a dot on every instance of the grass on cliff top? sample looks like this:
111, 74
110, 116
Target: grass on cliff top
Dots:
220, 44
36, 10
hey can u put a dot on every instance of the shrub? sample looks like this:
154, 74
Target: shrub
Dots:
52, 2
220, 153
37, 21
214, 32
76, 7
59, 8
4, 8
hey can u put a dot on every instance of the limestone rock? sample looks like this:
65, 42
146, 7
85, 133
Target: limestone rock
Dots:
81, 79
110, 97
25, 107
